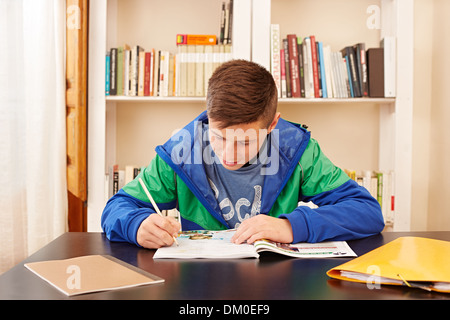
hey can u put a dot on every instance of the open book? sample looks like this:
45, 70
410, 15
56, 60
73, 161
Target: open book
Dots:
217, 245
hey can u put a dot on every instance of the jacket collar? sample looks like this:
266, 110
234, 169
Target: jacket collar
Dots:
183, 152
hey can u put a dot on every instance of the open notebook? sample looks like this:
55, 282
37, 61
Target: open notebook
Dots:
91, 273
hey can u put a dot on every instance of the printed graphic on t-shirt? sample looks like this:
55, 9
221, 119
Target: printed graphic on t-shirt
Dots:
243, 209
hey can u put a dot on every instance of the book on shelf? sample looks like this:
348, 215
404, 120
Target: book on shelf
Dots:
116, 178
375, 72
208, 244
226, 23
163, 73
380, 184
113, 74
314, 70
321, 70
283, 75
301, 66
349, 54
360, 51
275, 63
107, 74
309, 75
390, 51
293, 65
315, 67
201, 39
287, 69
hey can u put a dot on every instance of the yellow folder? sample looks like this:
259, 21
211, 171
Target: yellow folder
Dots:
412, 261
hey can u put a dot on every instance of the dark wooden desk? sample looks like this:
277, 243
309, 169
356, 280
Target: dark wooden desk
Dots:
272, 277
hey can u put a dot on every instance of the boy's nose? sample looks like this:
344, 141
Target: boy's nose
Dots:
230, 152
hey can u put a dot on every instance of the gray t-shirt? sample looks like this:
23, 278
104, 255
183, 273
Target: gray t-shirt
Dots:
238, 192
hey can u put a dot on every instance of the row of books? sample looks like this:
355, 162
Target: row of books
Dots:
380, 184
309, 69
133, 71
116, 178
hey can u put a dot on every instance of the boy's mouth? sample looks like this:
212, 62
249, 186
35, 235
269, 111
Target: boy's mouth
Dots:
230, 164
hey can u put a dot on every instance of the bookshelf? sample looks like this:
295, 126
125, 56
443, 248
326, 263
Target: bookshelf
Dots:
114, 22
331, 101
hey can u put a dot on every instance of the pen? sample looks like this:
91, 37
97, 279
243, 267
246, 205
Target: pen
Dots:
153, 203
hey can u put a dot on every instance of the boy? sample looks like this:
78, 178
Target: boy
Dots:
240, 165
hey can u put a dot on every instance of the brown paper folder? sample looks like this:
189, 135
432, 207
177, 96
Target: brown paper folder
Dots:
90, 274
411, 261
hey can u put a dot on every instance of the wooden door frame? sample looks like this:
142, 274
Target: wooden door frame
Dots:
76, 110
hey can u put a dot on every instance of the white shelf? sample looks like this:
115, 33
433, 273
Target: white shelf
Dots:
281, 100
336, 101
155, 99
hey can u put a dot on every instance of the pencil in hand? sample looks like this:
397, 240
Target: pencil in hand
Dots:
149, 196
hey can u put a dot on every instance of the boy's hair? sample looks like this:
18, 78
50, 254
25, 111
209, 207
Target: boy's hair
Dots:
240, 91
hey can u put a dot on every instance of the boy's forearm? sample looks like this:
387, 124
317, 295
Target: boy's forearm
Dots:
348, 212
122, 217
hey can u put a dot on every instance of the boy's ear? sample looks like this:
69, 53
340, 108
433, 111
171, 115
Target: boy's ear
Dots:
274, 122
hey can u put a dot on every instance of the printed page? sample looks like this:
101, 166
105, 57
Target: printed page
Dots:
206, 244
329, 249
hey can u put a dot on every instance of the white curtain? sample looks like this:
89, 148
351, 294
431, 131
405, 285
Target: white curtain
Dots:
33, 196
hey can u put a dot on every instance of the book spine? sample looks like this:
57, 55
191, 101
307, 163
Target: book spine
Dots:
350, 55
283, 75
171, 68
147, 74
293, 64
309, 82
389, 45
107, 73
322, 70
196, 39
319, 72
301, 66
126, 72
133, 71
222, 23
230, 22
355, 73
345, 73
350, 83
208, 68
120, 61
199, 70
375, 72
190, 71
360, 53
113, 79
182, 50
141, 75
227, 23
314, 67
287, 68
275, 56
328, 72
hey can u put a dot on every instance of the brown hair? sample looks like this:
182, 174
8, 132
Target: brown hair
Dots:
240, 91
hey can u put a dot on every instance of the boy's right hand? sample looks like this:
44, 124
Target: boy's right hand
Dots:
156, 231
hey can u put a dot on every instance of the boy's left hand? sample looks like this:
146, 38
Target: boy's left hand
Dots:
262, 226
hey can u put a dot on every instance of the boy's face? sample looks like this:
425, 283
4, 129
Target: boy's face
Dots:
236, 145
